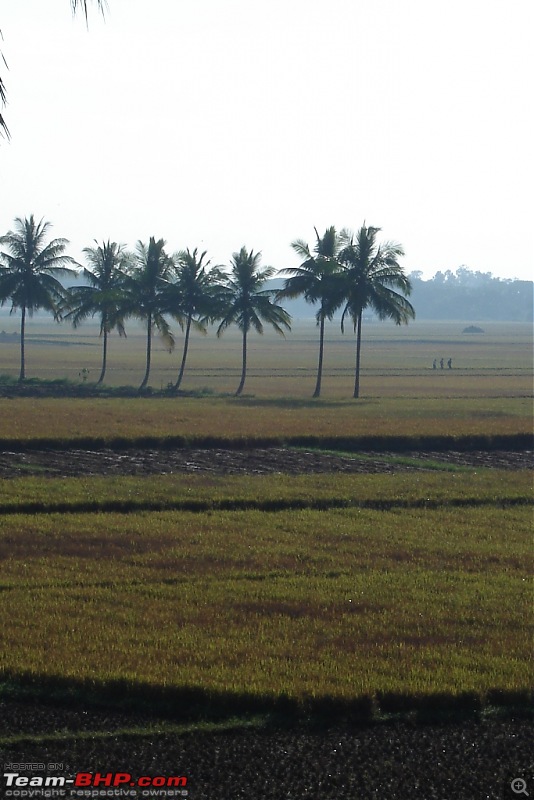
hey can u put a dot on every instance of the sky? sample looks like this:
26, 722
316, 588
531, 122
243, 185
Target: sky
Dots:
222, 123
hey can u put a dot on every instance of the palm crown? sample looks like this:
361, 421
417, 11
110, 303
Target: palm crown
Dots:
316, 279
370, 277
147, 284
104, 294
247, 304
193, 296
28, 273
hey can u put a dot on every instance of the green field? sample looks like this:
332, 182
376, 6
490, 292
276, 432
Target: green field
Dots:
257, 589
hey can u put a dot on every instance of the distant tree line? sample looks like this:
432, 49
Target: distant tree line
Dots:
343, 271
469, 295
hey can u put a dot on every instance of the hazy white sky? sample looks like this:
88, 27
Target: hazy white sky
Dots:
218, 123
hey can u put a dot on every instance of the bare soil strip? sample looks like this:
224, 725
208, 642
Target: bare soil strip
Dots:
76, 463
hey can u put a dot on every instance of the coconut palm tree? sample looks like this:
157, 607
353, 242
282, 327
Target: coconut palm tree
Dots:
146, 287
104, 295
28, 273
192, 297
316, 280
371, 275
247, 304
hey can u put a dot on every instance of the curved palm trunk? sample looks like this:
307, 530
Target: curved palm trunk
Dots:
104, 357
22, 374
317, 391
148, 352
244, 367
358, 349
184, 355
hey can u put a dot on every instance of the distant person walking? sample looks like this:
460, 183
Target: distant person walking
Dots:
449, 363
442, 363
434, 364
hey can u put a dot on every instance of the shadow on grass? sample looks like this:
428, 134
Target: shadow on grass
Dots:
11, 387
196, 704
63, 387
301, 402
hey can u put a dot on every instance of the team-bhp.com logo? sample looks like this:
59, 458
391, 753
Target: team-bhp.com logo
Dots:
95, 784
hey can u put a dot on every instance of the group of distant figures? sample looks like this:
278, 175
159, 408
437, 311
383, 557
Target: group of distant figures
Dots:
442, 363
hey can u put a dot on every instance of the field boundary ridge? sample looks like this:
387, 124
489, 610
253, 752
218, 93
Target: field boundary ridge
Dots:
268, 506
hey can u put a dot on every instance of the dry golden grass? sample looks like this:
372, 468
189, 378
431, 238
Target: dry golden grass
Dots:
395, 361
484, 485
347, 603
261, 417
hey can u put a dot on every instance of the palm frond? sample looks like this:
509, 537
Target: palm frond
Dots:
371, 273
76, 4
242, 299
301, 248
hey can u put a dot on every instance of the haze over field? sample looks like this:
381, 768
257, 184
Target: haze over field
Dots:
220, 124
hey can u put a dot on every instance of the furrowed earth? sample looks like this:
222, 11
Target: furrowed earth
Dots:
73, 463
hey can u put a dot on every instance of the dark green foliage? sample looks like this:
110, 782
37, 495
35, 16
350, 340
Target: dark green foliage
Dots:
372, 278
105, 294
317, 281
146, 289
194, 297
245, 303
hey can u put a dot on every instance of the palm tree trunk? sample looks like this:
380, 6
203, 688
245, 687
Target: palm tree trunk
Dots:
104, 357
317, 391
148, 352
244, 368
184, 355
22, 374
358, 349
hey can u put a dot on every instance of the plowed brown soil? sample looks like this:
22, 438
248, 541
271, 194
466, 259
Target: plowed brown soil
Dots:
72, 463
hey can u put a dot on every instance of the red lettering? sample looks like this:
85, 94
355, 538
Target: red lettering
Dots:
105, 780
83, 779
121, 777
177, 781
